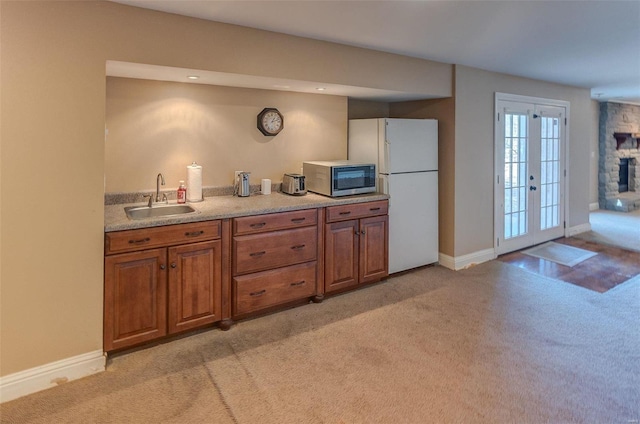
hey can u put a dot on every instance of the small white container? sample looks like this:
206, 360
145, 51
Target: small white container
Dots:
266, 186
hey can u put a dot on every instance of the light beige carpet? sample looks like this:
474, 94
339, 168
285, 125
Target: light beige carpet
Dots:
614, 228
490, 344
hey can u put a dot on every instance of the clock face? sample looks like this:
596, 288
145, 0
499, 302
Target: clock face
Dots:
270, 121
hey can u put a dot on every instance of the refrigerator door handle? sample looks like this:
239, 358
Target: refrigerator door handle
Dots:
387, 156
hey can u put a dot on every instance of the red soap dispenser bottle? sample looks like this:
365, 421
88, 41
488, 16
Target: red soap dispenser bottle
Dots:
182, 193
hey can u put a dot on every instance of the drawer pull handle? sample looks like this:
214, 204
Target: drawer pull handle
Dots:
297, 220
194, 233
298, 284
298, 247
345, 213
140, 241
254, 254
258, 225
374, 209
258, 293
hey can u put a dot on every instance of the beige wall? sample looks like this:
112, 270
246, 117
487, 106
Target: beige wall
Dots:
444, 111
361, 109
475, 91
52, 110
52, 74
156, 126
52, 79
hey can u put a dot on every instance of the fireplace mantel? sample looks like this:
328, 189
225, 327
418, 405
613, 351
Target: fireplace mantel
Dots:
622, 137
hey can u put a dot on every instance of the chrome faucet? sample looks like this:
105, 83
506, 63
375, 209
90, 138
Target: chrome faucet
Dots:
159, 180
150, 196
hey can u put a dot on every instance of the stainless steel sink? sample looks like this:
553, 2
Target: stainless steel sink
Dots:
142, 212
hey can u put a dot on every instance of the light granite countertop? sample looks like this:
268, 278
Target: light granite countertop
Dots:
219, 207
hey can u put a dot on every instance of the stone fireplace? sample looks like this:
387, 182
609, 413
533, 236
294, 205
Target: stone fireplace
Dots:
619, 147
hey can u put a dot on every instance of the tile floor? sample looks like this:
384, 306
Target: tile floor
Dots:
610, 267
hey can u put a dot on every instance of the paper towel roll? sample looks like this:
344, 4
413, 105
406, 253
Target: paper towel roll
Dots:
266, 186
194, 183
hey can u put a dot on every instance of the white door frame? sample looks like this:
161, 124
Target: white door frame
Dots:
498, 193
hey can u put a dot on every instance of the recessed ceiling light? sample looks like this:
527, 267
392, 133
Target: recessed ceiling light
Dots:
193, 77
320, 88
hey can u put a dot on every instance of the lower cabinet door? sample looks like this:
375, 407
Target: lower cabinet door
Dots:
374, 249
135, 298
261, 290
195, 285
341, 255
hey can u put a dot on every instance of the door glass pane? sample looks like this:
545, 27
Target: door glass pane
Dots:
515, 175
549, 173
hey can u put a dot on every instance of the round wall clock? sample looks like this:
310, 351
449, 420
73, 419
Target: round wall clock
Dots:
270, 121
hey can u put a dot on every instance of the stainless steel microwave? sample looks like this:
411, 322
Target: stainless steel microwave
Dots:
339, 178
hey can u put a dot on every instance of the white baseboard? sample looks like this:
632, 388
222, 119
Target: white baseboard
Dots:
461, 262
446, 261
594, 206
583, 228
33, 380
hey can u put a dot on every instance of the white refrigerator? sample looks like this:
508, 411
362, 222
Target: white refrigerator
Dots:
406, 154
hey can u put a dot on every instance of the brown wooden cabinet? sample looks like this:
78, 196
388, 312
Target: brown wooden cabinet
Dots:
275, 260
195, 285
356, 250
151, 292
135, 298
166, 280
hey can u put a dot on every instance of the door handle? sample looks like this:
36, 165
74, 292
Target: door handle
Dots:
533, 188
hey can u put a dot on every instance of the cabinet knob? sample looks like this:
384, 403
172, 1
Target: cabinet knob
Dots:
163, 267
173, 265
362, 232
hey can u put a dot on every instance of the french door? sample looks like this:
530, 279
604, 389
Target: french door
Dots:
530, 173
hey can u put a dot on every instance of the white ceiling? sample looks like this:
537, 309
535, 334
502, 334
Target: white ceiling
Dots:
591, 44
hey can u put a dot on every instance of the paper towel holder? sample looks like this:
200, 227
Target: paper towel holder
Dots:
194, 183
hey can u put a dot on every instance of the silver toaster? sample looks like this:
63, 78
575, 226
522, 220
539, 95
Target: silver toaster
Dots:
294, 184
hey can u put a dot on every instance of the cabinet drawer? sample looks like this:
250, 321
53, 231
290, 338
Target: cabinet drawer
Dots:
275, 221
147, 238
357, 210
263, 289
275, 249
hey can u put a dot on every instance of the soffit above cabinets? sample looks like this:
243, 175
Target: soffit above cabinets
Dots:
167, 73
